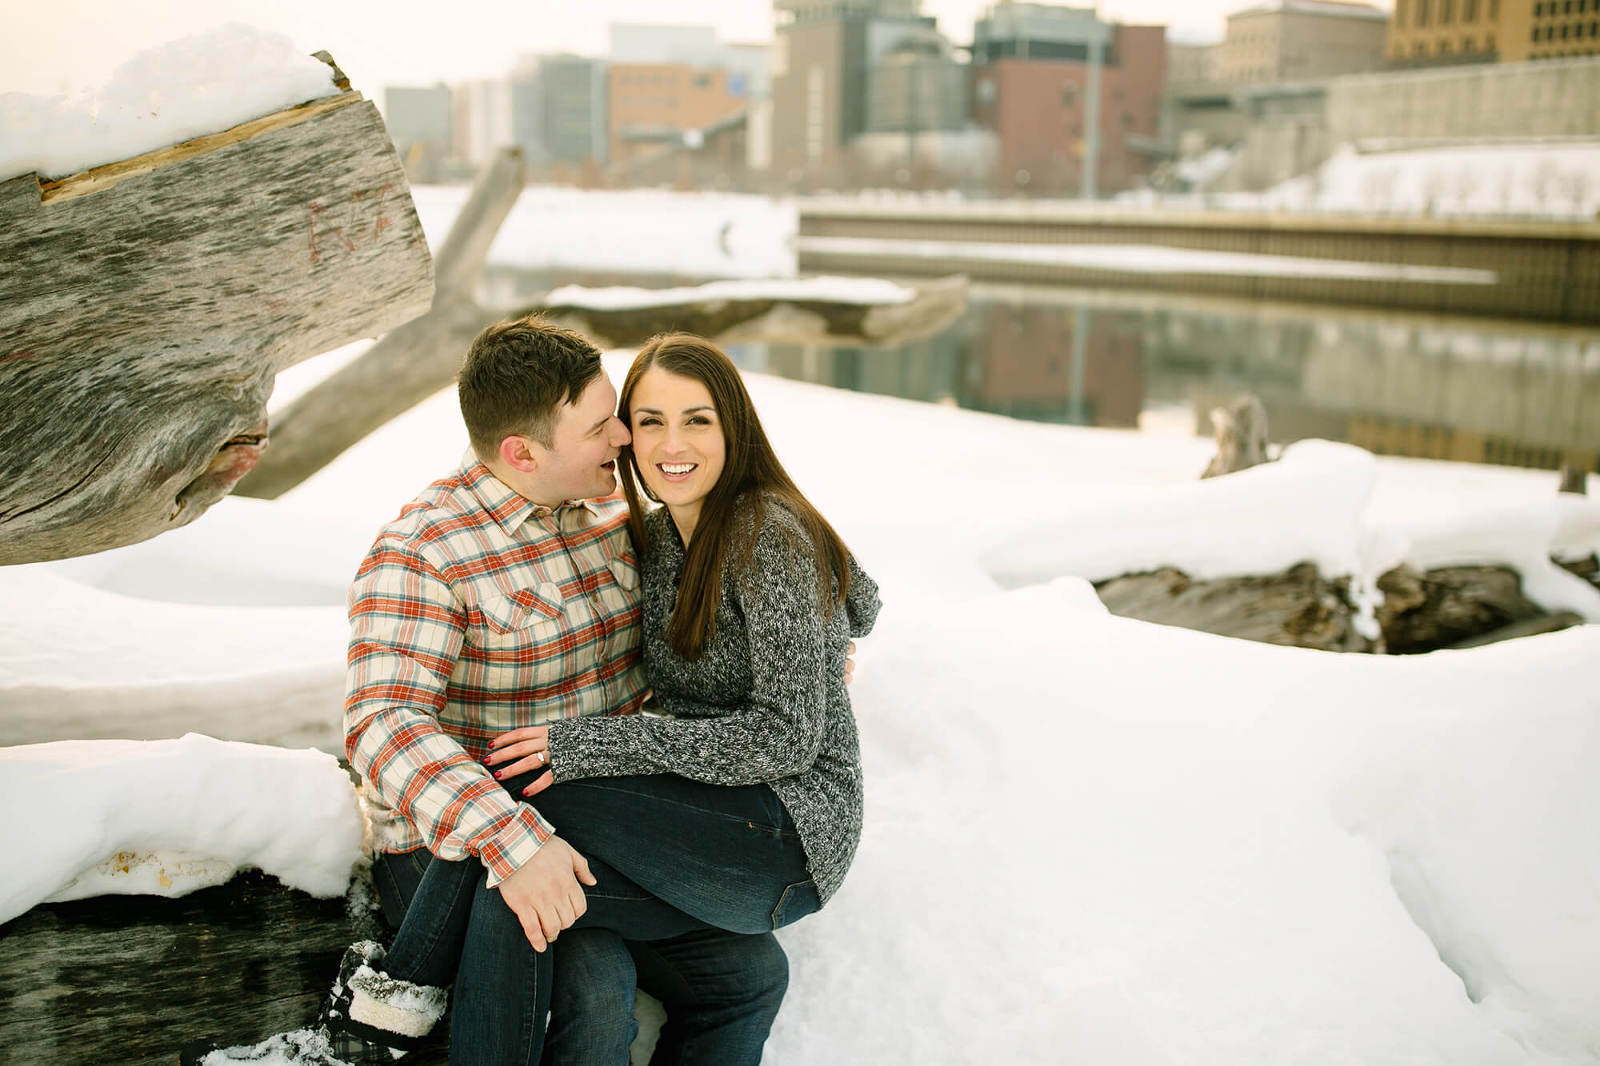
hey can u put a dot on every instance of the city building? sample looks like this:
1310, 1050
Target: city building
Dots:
1437, 32
1191, 64
1301, 40
558, 111
822, 58
652, 105
747, 79
419, 122
1034, 77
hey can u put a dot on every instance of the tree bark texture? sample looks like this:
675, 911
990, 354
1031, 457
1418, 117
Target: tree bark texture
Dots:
146, 307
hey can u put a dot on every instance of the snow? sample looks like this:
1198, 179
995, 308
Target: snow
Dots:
1552, 180
641, 231
1088, 838
202, 84
171, 816
1144, 259
819, 289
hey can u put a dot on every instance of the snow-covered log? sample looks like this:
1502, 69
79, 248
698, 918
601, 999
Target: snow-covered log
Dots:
147, 305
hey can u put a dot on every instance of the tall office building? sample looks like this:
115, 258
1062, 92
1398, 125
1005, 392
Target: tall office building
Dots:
822, 59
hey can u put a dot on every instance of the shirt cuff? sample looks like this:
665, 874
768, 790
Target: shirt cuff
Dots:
515, 844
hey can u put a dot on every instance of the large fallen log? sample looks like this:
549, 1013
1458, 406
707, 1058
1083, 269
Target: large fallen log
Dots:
146, 307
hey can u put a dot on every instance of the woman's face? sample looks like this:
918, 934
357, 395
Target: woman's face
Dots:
677, 442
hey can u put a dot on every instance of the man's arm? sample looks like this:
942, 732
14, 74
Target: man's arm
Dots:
406, 633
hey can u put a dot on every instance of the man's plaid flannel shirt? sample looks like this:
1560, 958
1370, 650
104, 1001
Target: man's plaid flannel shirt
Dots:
475, 612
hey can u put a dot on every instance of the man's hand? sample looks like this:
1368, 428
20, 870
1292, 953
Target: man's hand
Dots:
545, 894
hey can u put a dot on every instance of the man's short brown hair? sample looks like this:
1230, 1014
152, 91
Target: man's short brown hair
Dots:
516, 375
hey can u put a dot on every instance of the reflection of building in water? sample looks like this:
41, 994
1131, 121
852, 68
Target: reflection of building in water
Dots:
1522, 399
1027, 360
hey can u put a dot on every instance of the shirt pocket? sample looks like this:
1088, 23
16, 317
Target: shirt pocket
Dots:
526, 616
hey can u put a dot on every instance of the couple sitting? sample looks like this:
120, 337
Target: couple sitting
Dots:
505, 630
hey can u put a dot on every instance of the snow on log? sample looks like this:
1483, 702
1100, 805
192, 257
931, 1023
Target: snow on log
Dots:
806, 311
147, 305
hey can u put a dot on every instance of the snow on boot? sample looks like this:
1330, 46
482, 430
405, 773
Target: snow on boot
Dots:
368, 1019
383, 1018
303, 1047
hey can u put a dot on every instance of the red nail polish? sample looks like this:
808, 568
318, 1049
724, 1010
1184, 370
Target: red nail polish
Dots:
498, 774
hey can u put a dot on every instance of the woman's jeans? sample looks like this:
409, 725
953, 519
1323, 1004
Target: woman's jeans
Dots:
678, 863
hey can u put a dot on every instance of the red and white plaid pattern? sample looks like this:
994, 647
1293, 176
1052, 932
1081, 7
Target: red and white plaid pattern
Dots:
475, 612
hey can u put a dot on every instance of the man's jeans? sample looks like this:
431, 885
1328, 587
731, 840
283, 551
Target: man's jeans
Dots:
679, 864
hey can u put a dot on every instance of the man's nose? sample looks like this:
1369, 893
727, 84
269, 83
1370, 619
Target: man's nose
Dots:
619, 432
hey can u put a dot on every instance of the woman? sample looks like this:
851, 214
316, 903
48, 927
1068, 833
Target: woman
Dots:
741, 810
750, 599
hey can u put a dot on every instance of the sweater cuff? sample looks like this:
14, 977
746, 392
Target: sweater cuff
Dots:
515, 844
577, 749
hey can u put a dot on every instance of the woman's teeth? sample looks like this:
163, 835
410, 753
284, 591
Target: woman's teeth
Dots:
676, 469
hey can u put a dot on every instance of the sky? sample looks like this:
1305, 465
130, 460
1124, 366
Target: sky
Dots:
76, 44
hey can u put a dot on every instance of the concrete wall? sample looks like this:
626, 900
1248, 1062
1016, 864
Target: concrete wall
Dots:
1545, 99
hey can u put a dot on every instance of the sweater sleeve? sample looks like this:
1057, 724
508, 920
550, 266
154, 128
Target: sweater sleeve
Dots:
775, 733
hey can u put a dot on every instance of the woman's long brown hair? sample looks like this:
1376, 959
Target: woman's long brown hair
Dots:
750, 472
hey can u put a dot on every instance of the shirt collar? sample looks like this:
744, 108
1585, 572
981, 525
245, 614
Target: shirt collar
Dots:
505, 505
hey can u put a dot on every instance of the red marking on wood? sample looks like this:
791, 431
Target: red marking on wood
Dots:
26, 353
313, 209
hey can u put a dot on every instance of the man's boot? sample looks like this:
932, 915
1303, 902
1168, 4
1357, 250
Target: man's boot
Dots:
368, 1019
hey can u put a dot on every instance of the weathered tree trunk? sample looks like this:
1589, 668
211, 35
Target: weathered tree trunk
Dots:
146, 307
407, 365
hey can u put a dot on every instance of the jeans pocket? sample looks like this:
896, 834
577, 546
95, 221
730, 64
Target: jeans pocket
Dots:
797, 901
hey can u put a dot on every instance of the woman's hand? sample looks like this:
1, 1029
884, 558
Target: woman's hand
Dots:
521, 751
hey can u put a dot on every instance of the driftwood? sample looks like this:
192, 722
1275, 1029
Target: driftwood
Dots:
773, 320
146, 307
1298, 607
1241, 433
415, 361
1449, 607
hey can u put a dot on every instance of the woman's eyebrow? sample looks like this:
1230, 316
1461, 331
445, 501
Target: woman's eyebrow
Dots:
686, 410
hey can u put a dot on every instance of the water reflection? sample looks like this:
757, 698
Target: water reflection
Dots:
1470, 390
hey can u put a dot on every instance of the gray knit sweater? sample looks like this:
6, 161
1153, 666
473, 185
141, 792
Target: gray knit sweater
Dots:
765, 702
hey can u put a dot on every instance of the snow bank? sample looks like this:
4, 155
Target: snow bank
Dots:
709, 235
1531, 180
834, 290
202, 84
168, 817
1145, 259
1108, 842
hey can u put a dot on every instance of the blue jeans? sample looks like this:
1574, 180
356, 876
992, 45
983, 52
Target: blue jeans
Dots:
678, 863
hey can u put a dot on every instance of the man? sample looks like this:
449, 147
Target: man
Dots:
503, 596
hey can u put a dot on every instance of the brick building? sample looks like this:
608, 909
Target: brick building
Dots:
1030, 78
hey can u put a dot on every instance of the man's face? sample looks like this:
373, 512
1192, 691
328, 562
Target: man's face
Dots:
581, 462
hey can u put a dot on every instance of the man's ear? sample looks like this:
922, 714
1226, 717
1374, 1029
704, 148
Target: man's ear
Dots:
521, 453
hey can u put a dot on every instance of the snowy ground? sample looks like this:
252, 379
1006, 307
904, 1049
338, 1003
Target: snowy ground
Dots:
1088, 838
